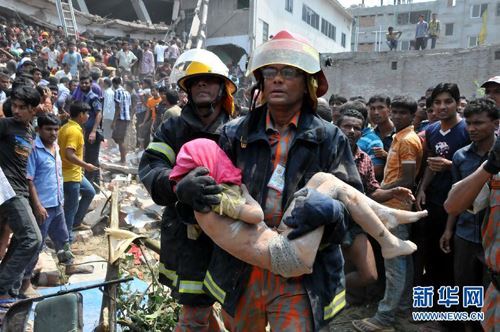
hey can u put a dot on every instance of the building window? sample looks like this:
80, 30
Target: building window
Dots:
415, 15
473, 41
452, 3
310, 17
289, 6
242, 4
478, 10
412, 17
343, 40
448, 29
498, 9
366, 21
403, 18
394, 65
328, 29
265, 31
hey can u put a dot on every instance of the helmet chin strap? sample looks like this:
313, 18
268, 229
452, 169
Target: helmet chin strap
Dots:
211, 104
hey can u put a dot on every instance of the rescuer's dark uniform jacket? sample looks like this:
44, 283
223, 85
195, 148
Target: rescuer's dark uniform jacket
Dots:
183, 262
318, 146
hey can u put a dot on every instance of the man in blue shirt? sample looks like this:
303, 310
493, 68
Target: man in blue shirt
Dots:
73, 59
481, 118
45, 182
92, 128
443, 139
379, 106
421, 33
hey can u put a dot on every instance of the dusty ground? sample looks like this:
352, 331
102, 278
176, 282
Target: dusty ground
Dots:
95, 245
343, 321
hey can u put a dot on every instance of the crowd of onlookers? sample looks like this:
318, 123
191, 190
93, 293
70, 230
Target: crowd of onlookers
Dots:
424, 31
77, 94
438, 140
82, 93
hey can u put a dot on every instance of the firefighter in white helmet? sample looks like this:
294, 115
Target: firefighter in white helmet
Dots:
184, 258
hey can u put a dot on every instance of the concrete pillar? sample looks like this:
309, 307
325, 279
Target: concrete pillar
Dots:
175, 10
82, 6
141, 11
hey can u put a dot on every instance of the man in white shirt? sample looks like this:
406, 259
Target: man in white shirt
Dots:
52, 55
173, 51
160, 53
108, 108
64, 72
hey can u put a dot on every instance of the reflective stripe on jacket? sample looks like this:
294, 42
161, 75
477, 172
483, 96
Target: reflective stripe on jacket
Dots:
183, 261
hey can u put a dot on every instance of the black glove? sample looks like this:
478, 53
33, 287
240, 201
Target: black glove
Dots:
492, 165
312, 209
198, 190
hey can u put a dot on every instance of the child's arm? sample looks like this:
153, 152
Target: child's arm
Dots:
250, 212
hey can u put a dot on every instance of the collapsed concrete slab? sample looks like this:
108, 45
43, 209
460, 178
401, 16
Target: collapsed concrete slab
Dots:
43, 12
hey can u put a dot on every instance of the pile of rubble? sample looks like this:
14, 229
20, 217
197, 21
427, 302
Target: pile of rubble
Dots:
138, 214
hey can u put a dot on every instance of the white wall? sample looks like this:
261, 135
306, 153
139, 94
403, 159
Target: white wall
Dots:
273, 13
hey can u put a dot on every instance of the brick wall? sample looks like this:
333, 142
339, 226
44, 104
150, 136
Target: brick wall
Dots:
369, 73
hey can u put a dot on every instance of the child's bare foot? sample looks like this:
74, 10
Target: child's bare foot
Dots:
401, 248
391, 218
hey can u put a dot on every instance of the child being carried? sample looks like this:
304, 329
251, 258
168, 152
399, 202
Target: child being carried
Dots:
237, 226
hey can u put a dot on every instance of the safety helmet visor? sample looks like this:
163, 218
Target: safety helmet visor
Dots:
285, 52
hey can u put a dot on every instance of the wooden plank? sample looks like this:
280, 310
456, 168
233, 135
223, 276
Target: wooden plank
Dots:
119, 168
107, 321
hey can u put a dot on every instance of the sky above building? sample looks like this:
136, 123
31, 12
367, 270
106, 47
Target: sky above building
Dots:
371, 3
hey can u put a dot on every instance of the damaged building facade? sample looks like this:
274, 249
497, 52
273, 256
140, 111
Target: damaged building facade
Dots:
233, 27
44, 13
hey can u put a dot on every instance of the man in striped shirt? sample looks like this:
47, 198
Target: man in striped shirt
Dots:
122, 117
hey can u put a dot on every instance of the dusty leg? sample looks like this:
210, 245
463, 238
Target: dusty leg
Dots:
365, 216
389, 216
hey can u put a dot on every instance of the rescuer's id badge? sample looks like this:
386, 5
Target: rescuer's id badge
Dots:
277, 181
